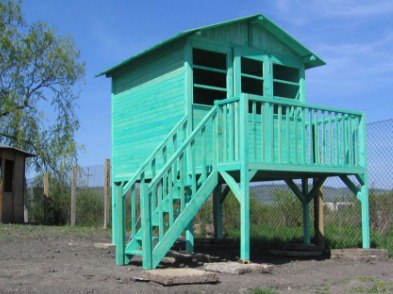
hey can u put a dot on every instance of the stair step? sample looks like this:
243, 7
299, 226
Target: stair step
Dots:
135, 252
139, 238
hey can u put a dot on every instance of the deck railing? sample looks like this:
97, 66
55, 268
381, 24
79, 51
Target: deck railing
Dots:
289, 132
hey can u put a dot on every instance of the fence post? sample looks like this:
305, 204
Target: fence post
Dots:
73, 195
107, 191
46, 197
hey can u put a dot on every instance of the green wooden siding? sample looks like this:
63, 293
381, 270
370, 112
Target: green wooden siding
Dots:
148, 102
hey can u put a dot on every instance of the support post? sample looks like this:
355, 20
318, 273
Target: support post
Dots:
73, 195
107, 191
217, 212
244, 181
189, 229
365, 213
119, 224
364, 184
319, 224
46, 198
147, 261
306, 213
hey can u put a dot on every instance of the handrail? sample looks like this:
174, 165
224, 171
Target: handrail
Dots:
190, 138
131, 182
299, 104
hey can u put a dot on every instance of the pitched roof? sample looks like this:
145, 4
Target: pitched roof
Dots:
27, 154
310, 59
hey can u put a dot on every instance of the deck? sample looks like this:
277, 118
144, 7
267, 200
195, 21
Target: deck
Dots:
284, 136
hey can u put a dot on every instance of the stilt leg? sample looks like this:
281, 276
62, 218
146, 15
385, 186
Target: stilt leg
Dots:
190, 234
306, 213
217, 212
244, 182
147, 261
365, 214
190, 237
119, 224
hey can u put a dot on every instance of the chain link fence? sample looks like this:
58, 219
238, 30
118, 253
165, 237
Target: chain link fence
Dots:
275, 212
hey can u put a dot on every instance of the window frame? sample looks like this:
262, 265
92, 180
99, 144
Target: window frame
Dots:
218, 48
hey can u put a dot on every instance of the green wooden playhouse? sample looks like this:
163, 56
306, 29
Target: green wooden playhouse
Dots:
221, 104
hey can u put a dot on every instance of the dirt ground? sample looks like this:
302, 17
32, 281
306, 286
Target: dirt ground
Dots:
37, 259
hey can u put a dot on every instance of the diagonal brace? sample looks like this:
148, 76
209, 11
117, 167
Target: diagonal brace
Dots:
347, 181
318, 184
295, 189
232, 185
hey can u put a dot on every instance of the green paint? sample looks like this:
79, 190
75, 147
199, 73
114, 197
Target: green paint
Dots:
180, 152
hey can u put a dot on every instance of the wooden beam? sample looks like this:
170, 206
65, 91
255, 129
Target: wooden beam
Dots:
347, 181
319, 224
295, 189
316, 185
232, 185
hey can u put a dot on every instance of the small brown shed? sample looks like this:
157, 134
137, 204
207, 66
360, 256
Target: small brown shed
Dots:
12, 183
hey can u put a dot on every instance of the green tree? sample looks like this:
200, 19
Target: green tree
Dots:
39, 72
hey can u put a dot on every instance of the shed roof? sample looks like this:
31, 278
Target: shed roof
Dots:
25, 153
310, 59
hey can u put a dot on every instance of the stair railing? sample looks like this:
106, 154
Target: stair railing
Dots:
160, 154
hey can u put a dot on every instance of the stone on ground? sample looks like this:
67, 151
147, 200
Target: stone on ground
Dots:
179, 276
360, 254
103, 245
237, 268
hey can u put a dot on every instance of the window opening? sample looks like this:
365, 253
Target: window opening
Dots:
8, 175
209, 76
286, 81
252, 76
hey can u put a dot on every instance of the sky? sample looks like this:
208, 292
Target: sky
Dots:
354, 38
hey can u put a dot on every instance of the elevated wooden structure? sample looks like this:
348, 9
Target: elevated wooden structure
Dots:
222, 104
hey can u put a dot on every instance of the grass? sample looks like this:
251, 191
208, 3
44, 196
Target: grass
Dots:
263, 291
14, 231
373, 286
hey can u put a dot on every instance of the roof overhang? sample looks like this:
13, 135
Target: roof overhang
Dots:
25, 153
309, 58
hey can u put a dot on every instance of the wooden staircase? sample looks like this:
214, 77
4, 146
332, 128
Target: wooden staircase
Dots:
174, 183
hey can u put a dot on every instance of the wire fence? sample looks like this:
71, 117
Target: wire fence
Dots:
276, 214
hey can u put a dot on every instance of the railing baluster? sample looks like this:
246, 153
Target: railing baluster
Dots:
317, 144
356, 138
287, 118
230, 132
312, 139
204, 167
262, 131
338, 139
254, 128
193, 171
345, 140
296, 112
330, 139
160, 212
323, 151
170, 195
304, 135
279, 133
225, 135
236, 123
133, 211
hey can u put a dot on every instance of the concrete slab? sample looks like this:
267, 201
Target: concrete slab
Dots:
360, 254
179, 276
237, 268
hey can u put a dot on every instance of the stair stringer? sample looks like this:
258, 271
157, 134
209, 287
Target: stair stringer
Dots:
184, 218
